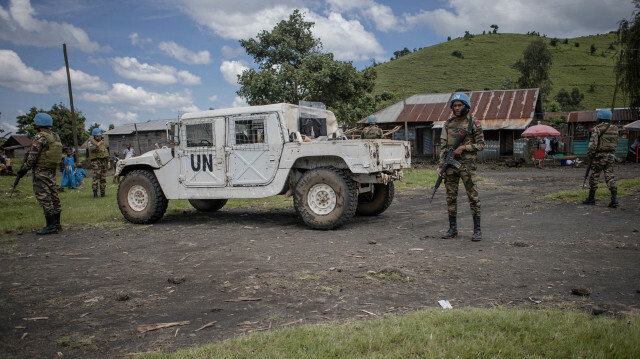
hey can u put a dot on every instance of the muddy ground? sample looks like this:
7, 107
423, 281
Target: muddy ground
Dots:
97, 292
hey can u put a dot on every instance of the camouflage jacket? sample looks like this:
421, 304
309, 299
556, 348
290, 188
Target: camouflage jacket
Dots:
44, 153
372, 132
473, 141
602, 141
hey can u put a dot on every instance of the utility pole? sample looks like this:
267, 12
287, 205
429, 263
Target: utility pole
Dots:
406, 129
73, 114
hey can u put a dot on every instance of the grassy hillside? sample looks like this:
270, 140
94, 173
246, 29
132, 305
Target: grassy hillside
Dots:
488, 59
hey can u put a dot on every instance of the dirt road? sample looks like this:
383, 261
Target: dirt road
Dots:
99, 292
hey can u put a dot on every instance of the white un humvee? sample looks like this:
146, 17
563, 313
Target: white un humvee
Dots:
260, 151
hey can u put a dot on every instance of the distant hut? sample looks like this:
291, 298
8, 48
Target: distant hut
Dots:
504, 115
143, 137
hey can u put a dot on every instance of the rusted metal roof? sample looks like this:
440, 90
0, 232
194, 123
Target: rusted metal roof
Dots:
498, 109
619, 114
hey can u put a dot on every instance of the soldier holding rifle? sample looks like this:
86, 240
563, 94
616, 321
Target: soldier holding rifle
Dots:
467, 132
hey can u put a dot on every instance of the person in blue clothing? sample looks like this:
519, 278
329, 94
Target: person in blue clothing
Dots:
68, 177
80, 175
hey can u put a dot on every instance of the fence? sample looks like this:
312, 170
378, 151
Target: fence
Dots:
491, 151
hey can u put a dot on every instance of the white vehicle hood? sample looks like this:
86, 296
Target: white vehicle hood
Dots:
153, 159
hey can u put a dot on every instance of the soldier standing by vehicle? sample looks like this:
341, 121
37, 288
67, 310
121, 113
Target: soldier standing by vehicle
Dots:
466, 154
43, 158
373, 131
99, 156
602, 145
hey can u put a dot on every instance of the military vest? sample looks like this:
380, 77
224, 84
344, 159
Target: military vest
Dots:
608, 141
97, 151
52, 152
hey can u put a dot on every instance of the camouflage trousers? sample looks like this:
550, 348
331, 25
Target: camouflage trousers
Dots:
45, 188
99, 166
468, 175
603, 162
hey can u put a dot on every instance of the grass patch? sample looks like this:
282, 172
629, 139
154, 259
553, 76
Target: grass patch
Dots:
70, 342
436, 333
624, 187
22, 213
417, 178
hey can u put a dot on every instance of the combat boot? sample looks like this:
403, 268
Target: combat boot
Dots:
592, 197
95, 194
58, 225
102, 194
477, 234
614, 199
50, 228
453, 228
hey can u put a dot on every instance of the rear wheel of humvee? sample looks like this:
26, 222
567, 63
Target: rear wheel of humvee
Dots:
325, 198
376, 202
208, 205
140, 197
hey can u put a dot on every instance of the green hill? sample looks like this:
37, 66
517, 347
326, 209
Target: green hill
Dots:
487, 60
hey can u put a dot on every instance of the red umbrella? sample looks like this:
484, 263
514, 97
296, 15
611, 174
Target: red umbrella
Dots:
540, 131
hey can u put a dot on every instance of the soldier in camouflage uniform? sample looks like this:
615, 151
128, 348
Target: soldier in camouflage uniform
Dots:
99, 156
466, 154
43, 158
602, 146
373, 131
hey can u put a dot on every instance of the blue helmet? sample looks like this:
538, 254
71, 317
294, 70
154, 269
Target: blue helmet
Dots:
96, 132
43, 120
459, 96
372, 119
605, 115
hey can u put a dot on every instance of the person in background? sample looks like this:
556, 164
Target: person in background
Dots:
129, 152
68, 177
116, 158
373, 131
99, 156
80, 175
602, 146
43, 158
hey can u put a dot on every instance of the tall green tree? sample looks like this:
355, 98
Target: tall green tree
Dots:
628, 64
62, 124
291, 67
569, 101
535, 67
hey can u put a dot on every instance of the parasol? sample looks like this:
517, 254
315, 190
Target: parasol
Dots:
540, 131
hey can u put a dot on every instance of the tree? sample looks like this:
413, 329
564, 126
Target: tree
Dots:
569, 102
401, 53
628, 64
292, 68
111, 126
535, 67
495, 28
62, 124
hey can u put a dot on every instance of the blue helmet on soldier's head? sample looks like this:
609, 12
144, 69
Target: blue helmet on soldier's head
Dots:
96, 132
43, 120
459, 96
372, 119
604, 115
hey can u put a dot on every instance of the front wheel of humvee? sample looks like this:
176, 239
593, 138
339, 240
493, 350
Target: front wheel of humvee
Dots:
325, 198
140, 197
376, 202
208, 205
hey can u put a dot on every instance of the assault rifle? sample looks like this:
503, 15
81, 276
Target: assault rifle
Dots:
15, 184
449, 161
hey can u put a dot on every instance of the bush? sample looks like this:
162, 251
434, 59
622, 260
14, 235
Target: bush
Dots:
457, 54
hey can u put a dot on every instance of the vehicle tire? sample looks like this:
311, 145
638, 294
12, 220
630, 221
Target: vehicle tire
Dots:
140, 197
325, 198
372, 204
208, 205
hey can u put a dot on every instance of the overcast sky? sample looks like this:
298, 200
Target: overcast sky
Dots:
134, 61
